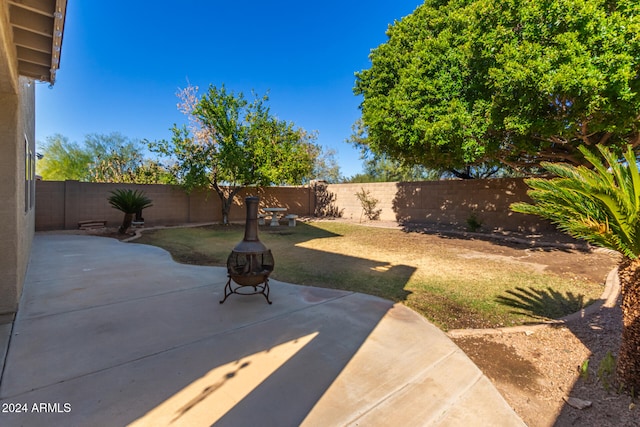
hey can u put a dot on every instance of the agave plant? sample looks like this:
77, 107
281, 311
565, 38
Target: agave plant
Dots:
129, 202
602, 206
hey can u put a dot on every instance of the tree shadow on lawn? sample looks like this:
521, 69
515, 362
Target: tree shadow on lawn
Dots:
354, 272
549, 242
333, 270
543, 304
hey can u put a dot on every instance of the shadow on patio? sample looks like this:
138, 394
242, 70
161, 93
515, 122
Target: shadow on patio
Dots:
124, 335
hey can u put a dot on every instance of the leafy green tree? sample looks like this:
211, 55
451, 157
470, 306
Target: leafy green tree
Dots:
102, 158
129, 202
231, 143
115, 157
63, 160
380, 168
464, 82
602, 206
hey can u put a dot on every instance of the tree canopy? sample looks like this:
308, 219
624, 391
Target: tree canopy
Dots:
62, 160
102, 158
464, 82
232, 142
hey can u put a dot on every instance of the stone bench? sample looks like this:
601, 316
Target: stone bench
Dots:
292, 219
261, 218
92, 223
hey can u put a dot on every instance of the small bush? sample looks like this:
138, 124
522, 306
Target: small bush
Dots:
473, 223
368, 204
129, 202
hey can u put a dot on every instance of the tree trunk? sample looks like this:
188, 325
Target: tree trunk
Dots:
126, 223
226, 208
226, 200
628, 368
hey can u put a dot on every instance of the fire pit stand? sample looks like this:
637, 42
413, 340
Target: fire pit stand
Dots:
250, 262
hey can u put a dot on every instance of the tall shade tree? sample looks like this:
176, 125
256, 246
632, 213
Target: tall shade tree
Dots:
63, 160
231, 143
379, 168
115, 158
602, 206
463, 82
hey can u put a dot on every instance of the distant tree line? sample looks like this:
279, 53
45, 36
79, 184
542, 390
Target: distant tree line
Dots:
229, 141
101, 158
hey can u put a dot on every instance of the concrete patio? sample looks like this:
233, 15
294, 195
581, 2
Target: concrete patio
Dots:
114, 334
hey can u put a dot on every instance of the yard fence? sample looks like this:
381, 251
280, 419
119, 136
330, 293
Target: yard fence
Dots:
62, 205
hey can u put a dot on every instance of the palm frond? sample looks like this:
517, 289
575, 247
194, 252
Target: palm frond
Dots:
129, 201
599, 205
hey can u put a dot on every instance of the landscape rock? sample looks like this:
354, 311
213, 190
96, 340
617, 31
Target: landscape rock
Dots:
577, 403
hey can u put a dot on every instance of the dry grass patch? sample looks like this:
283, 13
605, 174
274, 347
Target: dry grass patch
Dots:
455, 283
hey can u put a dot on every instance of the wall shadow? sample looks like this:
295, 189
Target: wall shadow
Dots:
547, 241
364, 275
432, 208
379, 278
454, 204
175, 351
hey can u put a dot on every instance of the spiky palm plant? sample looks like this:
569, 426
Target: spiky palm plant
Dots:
602, 206
128, 201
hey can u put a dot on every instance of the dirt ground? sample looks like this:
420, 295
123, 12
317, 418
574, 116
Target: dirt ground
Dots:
540, 371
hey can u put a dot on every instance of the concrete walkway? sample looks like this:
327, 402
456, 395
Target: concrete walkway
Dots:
114, 334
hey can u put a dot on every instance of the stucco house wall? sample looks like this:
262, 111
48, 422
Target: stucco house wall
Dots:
30, 47
17, 206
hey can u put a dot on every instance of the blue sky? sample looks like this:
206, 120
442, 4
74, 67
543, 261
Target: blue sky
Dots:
122, 65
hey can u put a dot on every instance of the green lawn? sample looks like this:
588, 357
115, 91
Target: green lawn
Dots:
450, 285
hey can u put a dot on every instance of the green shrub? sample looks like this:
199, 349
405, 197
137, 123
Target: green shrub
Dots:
129, 202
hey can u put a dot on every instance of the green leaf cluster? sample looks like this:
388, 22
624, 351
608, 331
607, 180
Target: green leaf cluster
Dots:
238, 143
63, 160
232, 143
129, 201
469, 81
600, 205
101, 158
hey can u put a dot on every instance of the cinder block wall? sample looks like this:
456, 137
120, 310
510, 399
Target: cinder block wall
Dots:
61, 205
450, 202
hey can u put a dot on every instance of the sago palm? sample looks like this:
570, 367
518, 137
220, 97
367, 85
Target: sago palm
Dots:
129, 202
602, 206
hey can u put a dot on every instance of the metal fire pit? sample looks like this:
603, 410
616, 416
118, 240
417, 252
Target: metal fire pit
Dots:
250, 262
